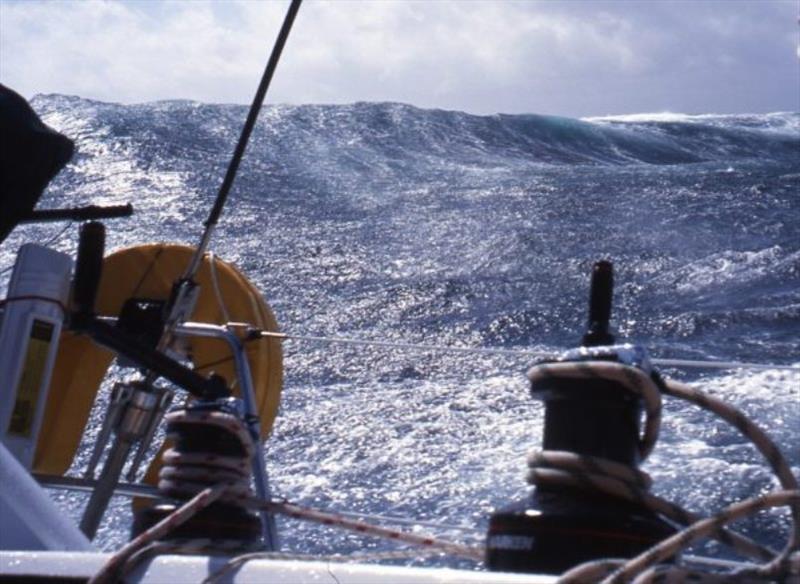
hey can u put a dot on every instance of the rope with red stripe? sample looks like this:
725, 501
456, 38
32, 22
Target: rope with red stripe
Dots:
108, 573
131, 554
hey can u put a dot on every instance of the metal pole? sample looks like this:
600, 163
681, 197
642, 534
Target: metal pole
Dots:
104, 488
244, 137
186, 293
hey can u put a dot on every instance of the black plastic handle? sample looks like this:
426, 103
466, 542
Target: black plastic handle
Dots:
89, 267
600, 299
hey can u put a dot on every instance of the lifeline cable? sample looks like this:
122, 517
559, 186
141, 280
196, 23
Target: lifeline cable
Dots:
255, 334
681, 363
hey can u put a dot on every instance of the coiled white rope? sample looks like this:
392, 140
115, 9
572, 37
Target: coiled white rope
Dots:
631, 378
583, 472
643, 567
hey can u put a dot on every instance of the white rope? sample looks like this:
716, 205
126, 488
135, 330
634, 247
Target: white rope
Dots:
597, 474
410, 521
631, 378
528, 354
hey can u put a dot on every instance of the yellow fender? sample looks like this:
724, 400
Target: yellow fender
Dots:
149, 271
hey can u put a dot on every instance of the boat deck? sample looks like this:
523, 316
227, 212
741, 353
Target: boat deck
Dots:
79, 566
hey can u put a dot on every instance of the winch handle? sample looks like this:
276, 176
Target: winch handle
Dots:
600, 297
88, 268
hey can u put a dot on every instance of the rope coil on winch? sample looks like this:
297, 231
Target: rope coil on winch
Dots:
631, 378
628, 483
188, 470
211, 448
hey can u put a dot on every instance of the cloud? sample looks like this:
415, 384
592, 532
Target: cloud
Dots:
572, 58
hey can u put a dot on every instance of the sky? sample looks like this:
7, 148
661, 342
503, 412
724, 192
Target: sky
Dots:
558, 57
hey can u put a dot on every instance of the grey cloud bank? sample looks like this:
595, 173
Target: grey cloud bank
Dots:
570, 58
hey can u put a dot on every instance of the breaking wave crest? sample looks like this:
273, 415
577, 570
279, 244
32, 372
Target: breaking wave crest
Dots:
398, 137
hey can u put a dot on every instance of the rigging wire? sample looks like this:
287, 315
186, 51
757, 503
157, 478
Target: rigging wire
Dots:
254, 335
244, 138
529, 354
50, 241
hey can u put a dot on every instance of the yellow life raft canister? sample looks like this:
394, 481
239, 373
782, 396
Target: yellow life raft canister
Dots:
149, 272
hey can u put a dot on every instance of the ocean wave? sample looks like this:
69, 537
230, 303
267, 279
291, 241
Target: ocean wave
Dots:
717, 269
397, 138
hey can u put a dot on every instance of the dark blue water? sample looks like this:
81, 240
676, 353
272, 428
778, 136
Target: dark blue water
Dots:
388, 222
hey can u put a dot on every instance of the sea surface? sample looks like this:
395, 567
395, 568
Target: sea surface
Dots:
387, 222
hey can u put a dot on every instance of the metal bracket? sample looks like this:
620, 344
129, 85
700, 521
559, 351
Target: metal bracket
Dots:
251, 415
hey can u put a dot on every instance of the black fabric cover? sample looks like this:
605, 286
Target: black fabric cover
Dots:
31, 154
